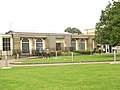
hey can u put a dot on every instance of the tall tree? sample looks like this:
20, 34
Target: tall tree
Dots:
108, 29
73, 30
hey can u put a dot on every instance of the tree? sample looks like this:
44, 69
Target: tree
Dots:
108, 28
73, 30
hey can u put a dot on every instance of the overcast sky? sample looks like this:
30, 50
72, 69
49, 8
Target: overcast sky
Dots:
49, 15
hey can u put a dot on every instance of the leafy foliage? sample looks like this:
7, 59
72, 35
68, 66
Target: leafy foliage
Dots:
83, 52
73, 30
66, 53
108, 29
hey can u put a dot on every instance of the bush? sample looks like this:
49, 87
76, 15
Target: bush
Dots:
83, 52
66, 53
54, 53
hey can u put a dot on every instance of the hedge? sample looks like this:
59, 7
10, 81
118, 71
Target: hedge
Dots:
83, 52
66, 53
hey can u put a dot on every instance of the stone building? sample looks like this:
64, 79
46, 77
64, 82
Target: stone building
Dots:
90, 31
27, 43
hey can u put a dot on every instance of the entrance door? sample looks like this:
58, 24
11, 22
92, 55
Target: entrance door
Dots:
58, 46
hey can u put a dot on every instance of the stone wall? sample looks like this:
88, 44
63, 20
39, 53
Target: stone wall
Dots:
16, 44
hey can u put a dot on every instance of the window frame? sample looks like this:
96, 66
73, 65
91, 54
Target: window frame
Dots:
25, 41
82, 44
39, 41
6, 43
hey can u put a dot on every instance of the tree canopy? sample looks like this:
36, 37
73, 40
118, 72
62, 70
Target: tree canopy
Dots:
73, 30
108, 28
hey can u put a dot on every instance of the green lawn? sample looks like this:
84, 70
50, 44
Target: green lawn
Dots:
80, 58
71, 77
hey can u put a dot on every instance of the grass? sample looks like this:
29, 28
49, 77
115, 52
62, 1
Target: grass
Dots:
71, 77
102, 57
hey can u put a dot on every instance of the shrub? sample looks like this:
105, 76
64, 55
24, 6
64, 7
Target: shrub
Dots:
83, 52
54, 53
66, 53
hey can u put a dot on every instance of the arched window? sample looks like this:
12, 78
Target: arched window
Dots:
82, 44
39, 44
25, 40
73, 43
25, 45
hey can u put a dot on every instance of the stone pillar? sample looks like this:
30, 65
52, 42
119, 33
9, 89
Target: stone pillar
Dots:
30, 46
93, 43
85, 44
67, 42
47, 41
33, 46
43, 44
16, 44
11, 42
90, 43
77, 44
52, 43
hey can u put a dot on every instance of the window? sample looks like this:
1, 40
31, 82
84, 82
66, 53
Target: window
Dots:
6, 44
25, 45
58, 46
73, 44
39, 44
82, 44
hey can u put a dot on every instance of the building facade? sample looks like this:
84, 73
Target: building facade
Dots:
26, 43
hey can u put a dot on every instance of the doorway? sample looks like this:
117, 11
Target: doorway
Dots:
58, 46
